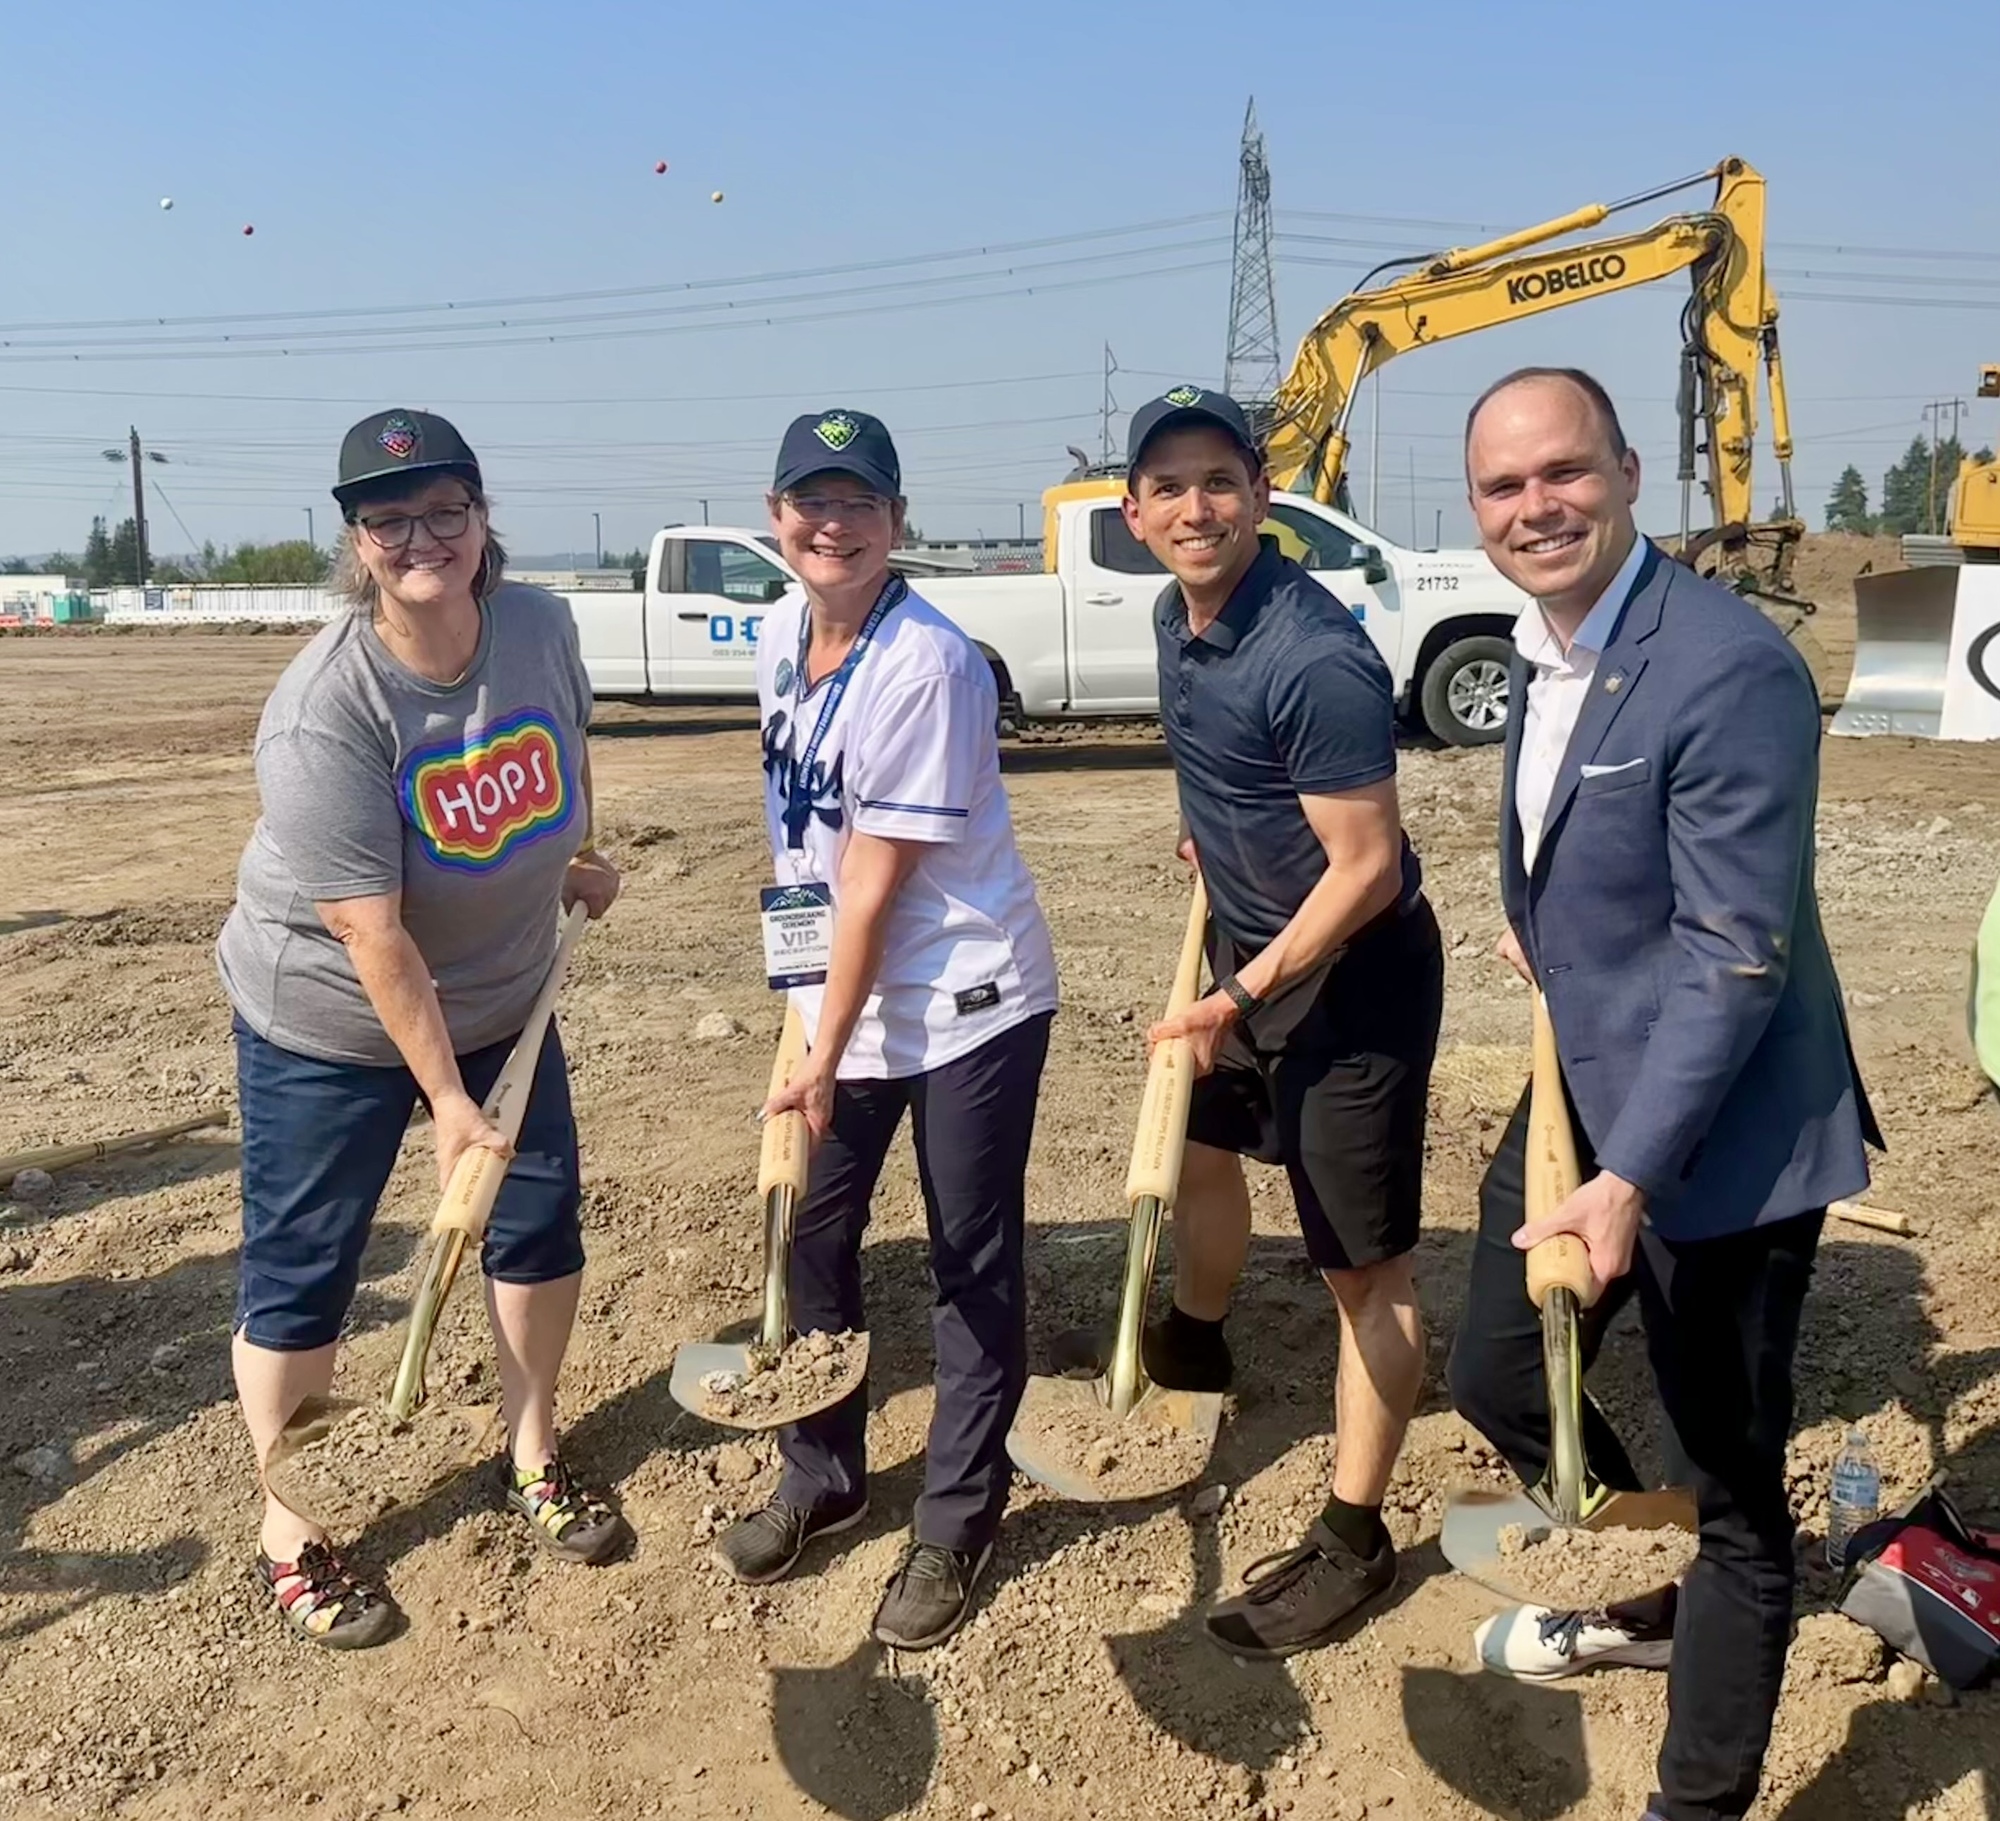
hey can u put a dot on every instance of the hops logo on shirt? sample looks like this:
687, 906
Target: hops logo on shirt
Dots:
474, 803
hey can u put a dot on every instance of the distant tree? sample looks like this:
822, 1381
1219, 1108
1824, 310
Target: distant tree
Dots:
1847, 505
17, 565
1916, 490
111, 559
293, 561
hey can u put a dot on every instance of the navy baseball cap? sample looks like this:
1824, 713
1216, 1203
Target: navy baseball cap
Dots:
839, 442
392, 445
1185, 408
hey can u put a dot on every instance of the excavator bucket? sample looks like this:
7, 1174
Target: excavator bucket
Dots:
1902, 652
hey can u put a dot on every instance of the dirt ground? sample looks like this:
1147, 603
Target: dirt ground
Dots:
140, 1676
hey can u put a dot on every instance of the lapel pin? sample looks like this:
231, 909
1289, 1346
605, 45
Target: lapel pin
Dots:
1611, 683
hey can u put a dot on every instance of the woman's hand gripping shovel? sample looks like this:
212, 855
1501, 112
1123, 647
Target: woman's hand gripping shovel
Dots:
343, 1461
1562, 1287
1119, 1435
777, 1378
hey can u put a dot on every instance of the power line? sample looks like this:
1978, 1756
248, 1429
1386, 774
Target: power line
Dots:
537, 300
457, 346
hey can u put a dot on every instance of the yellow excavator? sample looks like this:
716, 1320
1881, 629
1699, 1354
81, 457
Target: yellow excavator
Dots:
1975, 503
1729, 328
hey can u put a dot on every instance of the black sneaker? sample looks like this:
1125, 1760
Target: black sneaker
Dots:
1302, 1599
929, 1595
1180, 1353
763, 1547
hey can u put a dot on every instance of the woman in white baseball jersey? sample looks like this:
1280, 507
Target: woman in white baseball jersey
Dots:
883, 798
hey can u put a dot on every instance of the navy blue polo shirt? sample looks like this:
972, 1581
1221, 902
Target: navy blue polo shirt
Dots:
1283, 696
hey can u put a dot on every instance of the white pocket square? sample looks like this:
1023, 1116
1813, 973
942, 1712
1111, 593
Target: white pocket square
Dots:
1605, 771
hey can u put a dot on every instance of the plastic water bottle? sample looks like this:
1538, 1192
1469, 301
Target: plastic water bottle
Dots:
1856, 1497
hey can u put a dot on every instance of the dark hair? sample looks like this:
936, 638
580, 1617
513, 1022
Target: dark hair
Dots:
1585, 383
1253, 457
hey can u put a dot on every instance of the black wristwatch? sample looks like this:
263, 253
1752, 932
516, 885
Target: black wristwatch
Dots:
1240, 995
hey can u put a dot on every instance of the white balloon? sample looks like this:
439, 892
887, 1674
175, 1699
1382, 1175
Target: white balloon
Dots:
166, 202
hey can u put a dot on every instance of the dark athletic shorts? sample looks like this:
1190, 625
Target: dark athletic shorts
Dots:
1331, 1081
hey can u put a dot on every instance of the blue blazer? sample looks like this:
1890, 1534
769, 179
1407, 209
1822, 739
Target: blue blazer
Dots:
1672, 920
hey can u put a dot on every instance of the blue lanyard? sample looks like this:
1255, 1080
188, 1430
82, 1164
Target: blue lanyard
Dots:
799, 800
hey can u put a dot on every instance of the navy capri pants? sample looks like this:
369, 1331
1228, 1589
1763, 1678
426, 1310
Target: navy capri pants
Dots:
319, 1141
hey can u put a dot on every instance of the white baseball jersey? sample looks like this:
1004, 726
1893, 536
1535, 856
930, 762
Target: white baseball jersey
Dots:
906, 748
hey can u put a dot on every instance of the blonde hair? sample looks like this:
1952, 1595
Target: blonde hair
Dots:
354, 584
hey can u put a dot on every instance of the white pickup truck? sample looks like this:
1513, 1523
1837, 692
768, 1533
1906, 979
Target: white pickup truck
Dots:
1075, 643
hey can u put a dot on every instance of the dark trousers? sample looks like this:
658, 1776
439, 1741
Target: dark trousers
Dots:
1722, 1323
972, 1120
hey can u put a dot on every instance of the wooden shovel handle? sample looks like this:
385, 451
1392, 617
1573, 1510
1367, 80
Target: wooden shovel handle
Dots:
787, 1139
1552, 1174
1162, 1134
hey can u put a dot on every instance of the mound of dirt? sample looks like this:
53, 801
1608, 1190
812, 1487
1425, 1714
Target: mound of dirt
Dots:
1137, 1457
815, 1372
1584, 1569
359, 1463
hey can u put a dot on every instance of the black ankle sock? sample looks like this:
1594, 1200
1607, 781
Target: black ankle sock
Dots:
1192, 1327
1360, 1527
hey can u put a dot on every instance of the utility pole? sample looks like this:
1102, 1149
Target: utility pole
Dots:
312, 543
1935, 411
138, 457
1413, 496
1250, 366
1020, 521
1108, 409
1437, 528
704, 511
597, 532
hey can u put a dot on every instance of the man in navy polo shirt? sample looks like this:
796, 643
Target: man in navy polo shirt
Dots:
1315, 1048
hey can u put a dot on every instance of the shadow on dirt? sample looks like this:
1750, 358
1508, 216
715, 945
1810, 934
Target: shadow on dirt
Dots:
1510, 1748
90, 1358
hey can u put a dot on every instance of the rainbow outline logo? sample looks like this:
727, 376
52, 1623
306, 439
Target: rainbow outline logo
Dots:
474, 804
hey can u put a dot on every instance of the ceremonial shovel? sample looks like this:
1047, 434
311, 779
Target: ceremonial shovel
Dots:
459, 1224
1064, 1422
1561, 1286
719, 1381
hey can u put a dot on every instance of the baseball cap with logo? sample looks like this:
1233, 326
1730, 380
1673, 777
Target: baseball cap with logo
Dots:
392, 445
1185, 408
839, 442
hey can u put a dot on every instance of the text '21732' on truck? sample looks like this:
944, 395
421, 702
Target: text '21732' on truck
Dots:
1075, 642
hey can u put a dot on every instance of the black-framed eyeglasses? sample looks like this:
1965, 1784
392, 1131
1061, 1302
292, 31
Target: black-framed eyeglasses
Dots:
821, 506
395, 530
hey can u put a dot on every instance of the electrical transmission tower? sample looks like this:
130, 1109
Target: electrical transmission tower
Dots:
1250, 370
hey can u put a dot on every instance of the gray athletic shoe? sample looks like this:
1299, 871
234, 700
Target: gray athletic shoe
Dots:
929, 1595
764, 1546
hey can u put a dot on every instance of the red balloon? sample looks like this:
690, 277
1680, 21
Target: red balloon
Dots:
248, 229
660, 169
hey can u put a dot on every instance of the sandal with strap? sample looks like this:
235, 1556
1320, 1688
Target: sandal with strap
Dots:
567, 1519
321, 1601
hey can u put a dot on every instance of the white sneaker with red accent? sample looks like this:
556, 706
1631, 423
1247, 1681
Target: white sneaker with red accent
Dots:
1539, 1644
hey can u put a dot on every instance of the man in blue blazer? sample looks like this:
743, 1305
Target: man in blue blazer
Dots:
1656, 864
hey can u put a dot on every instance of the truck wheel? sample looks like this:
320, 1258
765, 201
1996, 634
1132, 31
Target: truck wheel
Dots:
1007, 724
1465, 691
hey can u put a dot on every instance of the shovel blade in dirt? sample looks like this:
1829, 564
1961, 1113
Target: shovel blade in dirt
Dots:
343, 1462
1119, 1436
778, 1378
1475, 1517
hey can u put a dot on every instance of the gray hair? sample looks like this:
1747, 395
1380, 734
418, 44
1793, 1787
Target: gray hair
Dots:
352, 582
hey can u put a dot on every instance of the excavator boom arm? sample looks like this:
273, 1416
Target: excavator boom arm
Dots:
1731, 324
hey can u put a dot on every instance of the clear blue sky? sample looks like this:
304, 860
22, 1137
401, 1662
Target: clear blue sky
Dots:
397, 155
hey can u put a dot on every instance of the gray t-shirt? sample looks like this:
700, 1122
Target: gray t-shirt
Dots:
466, 797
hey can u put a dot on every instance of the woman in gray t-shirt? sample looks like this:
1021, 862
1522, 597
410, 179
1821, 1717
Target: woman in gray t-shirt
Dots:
425, 812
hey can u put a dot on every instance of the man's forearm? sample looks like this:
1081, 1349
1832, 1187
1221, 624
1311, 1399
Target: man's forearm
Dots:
398, 984
1346, 899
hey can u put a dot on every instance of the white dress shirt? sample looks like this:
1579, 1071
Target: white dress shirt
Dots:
1557, 686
